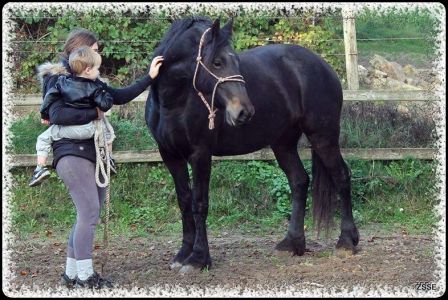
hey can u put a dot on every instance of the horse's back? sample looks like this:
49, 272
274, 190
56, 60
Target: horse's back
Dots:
290, 88
295, 65
294, 76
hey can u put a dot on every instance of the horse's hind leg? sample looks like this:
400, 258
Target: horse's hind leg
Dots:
179, 172
329, 154
286, 154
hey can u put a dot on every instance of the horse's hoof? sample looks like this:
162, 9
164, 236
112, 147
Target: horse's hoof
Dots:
294, 246
188, 269
348, 240
175, 265
344, 253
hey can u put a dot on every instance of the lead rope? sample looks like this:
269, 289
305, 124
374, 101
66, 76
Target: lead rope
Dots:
211, 110
103, 157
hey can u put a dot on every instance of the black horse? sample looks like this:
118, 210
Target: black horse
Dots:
199, 107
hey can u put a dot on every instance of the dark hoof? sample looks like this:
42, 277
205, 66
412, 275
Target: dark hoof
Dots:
348, 240
296, 246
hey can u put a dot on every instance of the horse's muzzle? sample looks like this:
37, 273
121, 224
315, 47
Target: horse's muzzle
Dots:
244, 116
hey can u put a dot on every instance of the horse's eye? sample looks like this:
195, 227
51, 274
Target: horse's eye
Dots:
217, 64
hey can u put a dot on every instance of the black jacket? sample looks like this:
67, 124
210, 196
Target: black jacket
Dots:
76, 92
62, 114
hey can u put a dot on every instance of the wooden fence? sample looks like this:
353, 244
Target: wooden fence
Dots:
33, 101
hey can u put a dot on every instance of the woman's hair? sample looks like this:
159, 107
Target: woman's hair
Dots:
76, 39
83, 58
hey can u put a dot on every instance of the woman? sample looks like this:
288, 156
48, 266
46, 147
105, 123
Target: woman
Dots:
74, 161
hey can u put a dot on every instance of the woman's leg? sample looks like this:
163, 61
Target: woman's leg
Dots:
70, 266
78, 175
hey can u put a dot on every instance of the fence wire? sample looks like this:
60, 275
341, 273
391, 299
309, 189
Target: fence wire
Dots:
266, 39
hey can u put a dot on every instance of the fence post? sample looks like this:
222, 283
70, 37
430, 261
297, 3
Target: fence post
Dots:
351, 51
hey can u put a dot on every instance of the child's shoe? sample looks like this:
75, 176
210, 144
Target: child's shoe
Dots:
40, 174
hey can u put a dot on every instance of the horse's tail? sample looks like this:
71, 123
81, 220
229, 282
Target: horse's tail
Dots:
324, 195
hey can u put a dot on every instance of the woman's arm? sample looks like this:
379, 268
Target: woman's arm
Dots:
60, 114
125, 95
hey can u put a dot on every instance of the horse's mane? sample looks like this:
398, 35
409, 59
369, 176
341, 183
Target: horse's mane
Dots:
180, 26
176, 29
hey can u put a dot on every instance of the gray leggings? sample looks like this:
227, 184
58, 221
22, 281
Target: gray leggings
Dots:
78, 175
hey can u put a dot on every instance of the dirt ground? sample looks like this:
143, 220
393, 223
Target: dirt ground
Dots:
242, 263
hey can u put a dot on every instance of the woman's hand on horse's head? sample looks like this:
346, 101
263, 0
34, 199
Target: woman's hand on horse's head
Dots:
155, 66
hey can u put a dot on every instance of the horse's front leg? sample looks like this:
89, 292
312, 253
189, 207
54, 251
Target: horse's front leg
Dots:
179, 171
200, 257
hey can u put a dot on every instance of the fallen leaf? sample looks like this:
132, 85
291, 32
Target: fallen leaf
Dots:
23, 273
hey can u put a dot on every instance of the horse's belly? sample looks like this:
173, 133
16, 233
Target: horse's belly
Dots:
255, 135
236, 149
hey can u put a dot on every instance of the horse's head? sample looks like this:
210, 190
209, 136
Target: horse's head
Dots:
217, 74
198, 54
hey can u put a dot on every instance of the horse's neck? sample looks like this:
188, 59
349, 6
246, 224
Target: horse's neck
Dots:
173, 94
175, 87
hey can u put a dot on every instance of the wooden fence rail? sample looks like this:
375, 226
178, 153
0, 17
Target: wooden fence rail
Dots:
145, 156
349, 95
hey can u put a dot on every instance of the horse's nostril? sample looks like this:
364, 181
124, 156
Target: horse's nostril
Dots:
242, 115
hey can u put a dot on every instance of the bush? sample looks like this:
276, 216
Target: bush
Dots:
127, 40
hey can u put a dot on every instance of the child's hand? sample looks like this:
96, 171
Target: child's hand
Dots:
155, 66
45, 122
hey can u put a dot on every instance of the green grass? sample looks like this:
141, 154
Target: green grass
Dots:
363, 125
243, 195
132, 133
383, 125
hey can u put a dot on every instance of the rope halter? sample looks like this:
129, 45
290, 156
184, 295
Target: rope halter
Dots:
211, 110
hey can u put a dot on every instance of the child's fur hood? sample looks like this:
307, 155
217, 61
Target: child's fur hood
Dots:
51, 69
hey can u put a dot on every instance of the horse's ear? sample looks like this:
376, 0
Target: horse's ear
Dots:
215, 28
228, 28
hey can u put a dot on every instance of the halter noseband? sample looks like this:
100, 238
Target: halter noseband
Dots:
212, 111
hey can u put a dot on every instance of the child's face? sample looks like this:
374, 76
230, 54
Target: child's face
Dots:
91, 73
